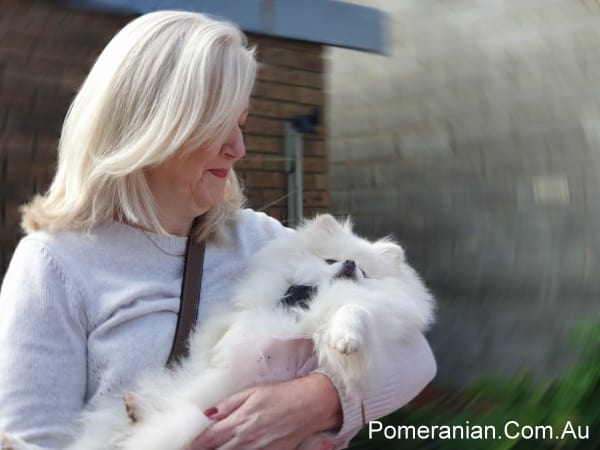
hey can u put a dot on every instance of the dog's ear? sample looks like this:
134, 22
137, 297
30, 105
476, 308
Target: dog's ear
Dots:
390, 249
328, 223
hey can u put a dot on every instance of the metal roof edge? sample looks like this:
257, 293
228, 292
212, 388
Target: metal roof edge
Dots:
327, 22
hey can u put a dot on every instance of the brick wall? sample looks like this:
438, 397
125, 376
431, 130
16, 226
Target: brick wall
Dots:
290, 83
477, 144
45, 53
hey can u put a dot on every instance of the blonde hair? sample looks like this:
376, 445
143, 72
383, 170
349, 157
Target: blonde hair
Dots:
168, 82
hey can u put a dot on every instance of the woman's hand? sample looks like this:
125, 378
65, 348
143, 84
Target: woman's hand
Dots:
277, 416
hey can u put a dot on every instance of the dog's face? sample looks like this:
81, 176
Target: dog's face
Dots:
300, 295
324, 251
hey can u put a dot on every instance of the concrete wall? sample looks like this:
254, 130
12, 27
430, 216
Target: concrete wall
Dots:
46, 51
476, 142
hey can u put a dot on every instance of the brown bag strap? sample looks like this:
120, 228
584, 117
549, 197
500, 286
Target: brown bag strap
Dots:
190, 299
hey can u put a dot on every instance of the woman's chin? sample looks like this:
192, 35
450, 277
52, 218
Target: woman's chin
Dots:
207, 202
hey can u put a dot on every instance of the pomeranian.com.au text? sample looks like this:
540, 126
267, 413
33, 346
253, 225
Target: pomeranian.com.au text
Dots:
511, 430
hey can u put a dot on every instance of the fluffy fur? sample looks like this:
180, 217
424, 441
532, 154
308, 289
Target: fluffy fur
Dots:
354, 298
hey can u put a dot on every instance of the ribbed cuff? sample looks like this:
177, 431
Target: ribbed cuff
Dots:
397, 383
357, 413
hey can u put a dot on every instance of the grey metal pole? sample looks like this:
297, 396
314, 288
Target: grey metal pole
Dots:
298, 178
294, 150
293, 168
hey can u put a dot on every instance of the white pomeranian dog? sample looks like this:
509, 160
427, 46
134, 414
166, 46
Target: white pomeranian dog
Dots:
355, 299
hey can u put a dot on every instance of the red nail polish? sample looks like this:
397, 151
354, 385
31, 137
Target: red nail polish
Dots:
211, 411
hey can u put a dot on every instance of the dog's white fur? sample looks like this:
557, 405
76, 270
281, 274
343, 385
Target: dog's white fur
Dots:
352, 322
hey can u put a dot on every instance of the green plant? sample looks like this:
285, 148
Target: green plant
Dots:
569, 402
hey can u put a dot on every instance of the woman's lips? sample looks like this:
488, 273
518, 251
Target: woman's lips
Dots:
219, 173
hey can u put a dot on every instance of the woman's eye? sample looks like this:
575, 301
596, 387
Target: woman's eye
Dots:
331, 261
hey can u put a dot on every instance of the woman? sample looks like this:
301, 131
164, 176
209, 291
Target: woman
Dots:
91, 296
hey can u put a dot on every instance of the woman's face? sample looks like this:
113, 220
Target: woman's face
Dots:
188, 187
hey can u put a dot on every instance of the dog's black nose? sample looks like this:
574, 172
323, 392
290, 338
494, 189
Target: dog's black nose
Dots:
348, 270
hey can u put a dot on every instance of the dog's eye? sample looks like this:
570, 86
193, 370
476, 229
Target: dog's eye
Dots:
331, 261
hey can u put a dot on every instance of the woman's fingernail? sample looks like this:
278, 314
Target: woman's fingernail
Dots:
326, 445
211, 411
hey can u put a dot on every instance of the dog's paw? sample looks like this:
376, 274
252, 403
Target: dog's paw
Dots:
131, 406
344, 343
8, 442
344, 337
346, 329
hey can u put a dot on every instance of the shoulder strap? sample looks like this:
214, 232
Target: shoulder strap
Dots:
190, 299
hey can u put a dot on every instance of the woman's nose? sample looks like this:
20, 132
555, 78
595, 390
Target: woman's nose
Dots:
234, 147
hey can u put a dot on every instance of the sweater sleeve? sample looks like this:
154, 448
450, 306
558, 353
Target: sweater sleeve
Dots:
406, 373
42, 348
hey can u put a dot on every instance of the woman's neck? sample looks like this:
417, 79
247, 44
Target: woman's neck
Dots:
174, 227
